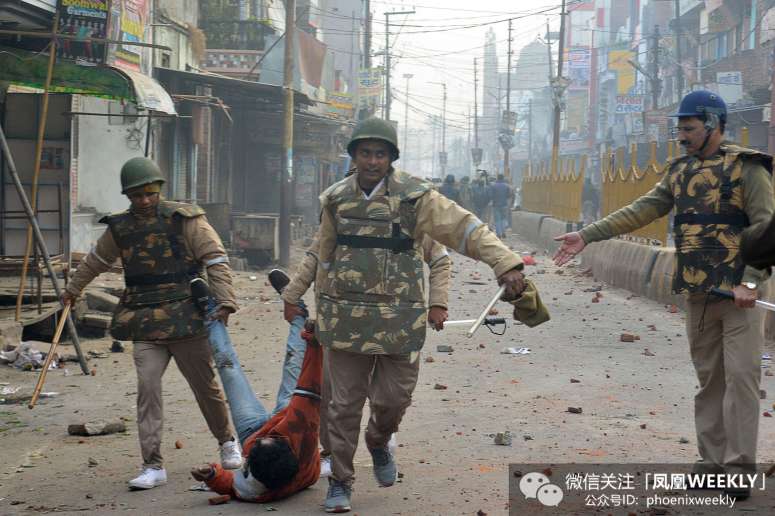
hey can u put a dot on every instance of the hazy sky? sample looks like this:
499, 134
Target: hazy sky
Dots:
435, 46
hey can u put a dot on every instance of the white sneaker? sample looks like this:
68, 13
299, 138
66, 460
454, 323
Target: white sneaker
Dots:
325, 466
231, 455
392, 444
148, 479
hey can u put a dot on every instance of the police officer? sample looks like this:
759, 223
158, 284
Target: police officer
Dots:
162, 245
717, 189
371, 312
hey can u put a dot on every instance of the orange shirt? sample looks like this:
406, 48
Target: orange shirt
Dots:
299, 422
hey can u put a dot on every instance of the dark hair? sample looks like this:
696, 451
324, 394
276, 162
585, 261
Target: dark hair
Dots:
273, 464
500, 177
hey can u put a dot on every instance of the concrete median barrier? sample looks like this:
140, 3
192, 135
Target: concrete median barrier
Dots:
629, 265
549, 229
644, 270
527, 224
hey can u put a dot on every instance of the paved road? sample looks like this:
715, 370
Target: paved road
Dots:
636, 400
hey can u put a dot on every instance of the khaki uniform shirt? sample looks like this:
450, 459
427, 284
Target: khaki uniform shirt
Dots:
198, 236
758, 205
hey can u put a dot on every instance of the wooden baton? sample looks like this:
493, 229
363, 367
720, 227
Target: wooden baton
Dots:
50, 356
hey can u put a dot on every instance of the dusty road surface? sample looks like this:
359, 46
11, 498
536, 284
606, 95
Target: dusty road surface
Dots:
636, 400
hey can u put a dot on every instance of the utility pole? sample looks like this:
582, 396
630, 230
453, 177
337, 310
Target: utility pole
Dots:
558, 92
444, 132
476, 108
386, 110
467, 159
433, 146
353, 71
407, 76
387, 59
443, 153
679, 73
367, 35
771, 134
286, 175
506, 168
656, 84
549, 50
530, 131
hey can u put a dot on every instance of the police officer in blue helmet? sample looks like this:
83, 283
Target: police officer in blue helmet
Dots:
718, 189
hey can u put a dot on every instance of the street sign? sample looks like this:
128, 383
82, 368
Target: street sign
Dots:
443, 159
508, 123
730, 86
629, 104
476, 156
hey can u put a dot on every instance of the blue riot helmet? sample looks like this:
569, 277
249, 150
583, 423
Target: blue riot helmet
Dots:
705, 105
708, 107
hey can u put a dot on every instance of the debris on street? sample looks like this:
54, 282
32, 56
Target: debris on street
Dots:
515, 351
97, 428
503, 438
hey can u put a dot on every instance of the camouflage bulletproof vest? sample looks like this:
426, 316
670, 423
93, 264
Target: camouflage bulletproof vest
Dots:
156, 303
375, 299
709, 219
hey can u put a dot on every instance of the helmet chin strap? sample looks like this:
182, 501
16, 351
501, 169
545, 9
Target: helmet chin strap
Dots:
708, 132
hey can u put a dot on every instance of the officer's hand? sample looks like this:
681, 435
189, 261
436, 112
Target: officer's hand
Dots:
515, 284
67, 298
290, 312
745, 297
222, 315
572, 244
436, 317
203, 473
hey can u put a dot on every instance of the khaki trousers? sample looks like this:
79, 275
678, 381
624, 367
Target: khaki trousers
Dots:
194, 359
726, 351
387, 381
325, 442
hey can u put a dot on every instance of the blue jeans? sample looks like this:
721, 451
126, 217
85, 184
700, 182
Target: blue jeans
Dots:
500, 213
294, 358
247, 412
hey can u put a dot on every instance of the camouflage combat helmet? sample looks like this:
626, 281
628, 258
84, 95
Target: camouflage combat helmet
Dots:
138, 172
374, 129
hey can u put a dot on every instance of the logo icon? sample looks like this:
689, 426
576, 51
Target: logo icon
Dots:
550, 495
537, 485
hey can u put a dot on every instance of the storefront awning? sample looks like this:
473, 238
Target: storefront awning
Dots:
228, 86
149, 93
22, 67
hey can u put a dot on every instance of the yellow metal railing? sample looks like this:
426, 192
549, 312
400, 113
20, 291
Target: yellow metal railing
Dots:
625, 182
554, 187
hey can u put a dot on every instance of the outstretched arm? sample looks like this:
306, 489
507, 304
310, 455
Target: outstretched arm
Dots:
655, 204
459, 229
